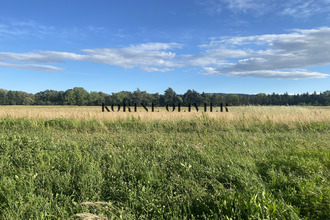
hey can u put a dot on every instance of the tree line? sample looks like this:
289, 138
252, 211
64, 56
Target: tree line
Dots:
79, 96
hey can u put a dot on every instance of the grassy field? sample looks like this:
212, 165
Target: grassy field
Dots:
249, 163
260, 113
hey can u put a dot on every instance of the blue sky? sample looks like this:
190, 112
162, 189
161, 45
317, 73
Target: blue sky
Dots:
229, 46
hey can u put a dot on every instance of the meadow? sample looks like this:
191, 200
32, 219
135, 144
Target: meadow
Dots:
253, 162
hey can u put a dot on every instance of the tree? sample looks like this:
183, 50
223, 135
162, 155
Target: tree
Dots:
170, 97
94, 98
233, 99
76, 96
25, 98
205, 98
156, 99
260, 99
81, 95
69, 98
191, 96
139, 96
49, 97
3, 97
326, 98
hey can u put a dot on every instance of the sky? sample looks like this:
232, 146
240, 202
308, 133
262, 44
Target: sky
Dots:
222, 46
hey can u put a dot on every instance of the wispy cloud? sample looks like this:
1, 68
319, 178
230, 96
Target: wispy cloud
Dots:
294, 8
265, 56
31, 67
211, 7
13, 29
305, 8
276, 74
246, 5
23, 29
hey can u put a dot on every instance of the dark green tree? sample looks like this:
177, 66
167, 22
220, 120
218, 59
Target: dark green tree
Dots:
191, 96
94, 98
3, 97
170, 97
76, 96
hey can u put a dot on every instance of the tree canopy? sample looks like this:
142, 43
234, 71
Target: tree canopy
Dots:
79, 96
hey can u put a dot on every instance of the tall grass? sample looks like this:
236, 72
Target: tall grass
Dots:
264, 113
202, 167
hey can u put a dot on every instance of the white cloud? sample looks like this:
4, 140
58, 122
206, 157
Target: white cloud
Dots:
245, 5
277, 74
305, 8
31, 67
268, 56
300, 49
40, 57
149, 57
293, 8
142, 55
154, 69
212, 56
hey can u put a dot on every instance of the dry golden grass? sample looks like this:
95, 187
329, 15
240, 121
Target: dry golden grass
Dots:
273, 113
89, 216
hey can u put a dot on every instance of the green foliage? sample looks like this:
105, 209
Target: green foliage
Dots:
170, 97
79, 96
76, 96
49, 97
201, 168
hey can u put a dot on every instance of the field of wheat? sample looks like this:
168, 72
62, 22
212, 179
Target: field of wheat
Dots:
253, 162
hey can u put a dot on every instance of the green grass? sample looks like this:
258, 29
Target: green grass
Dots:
200, 168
